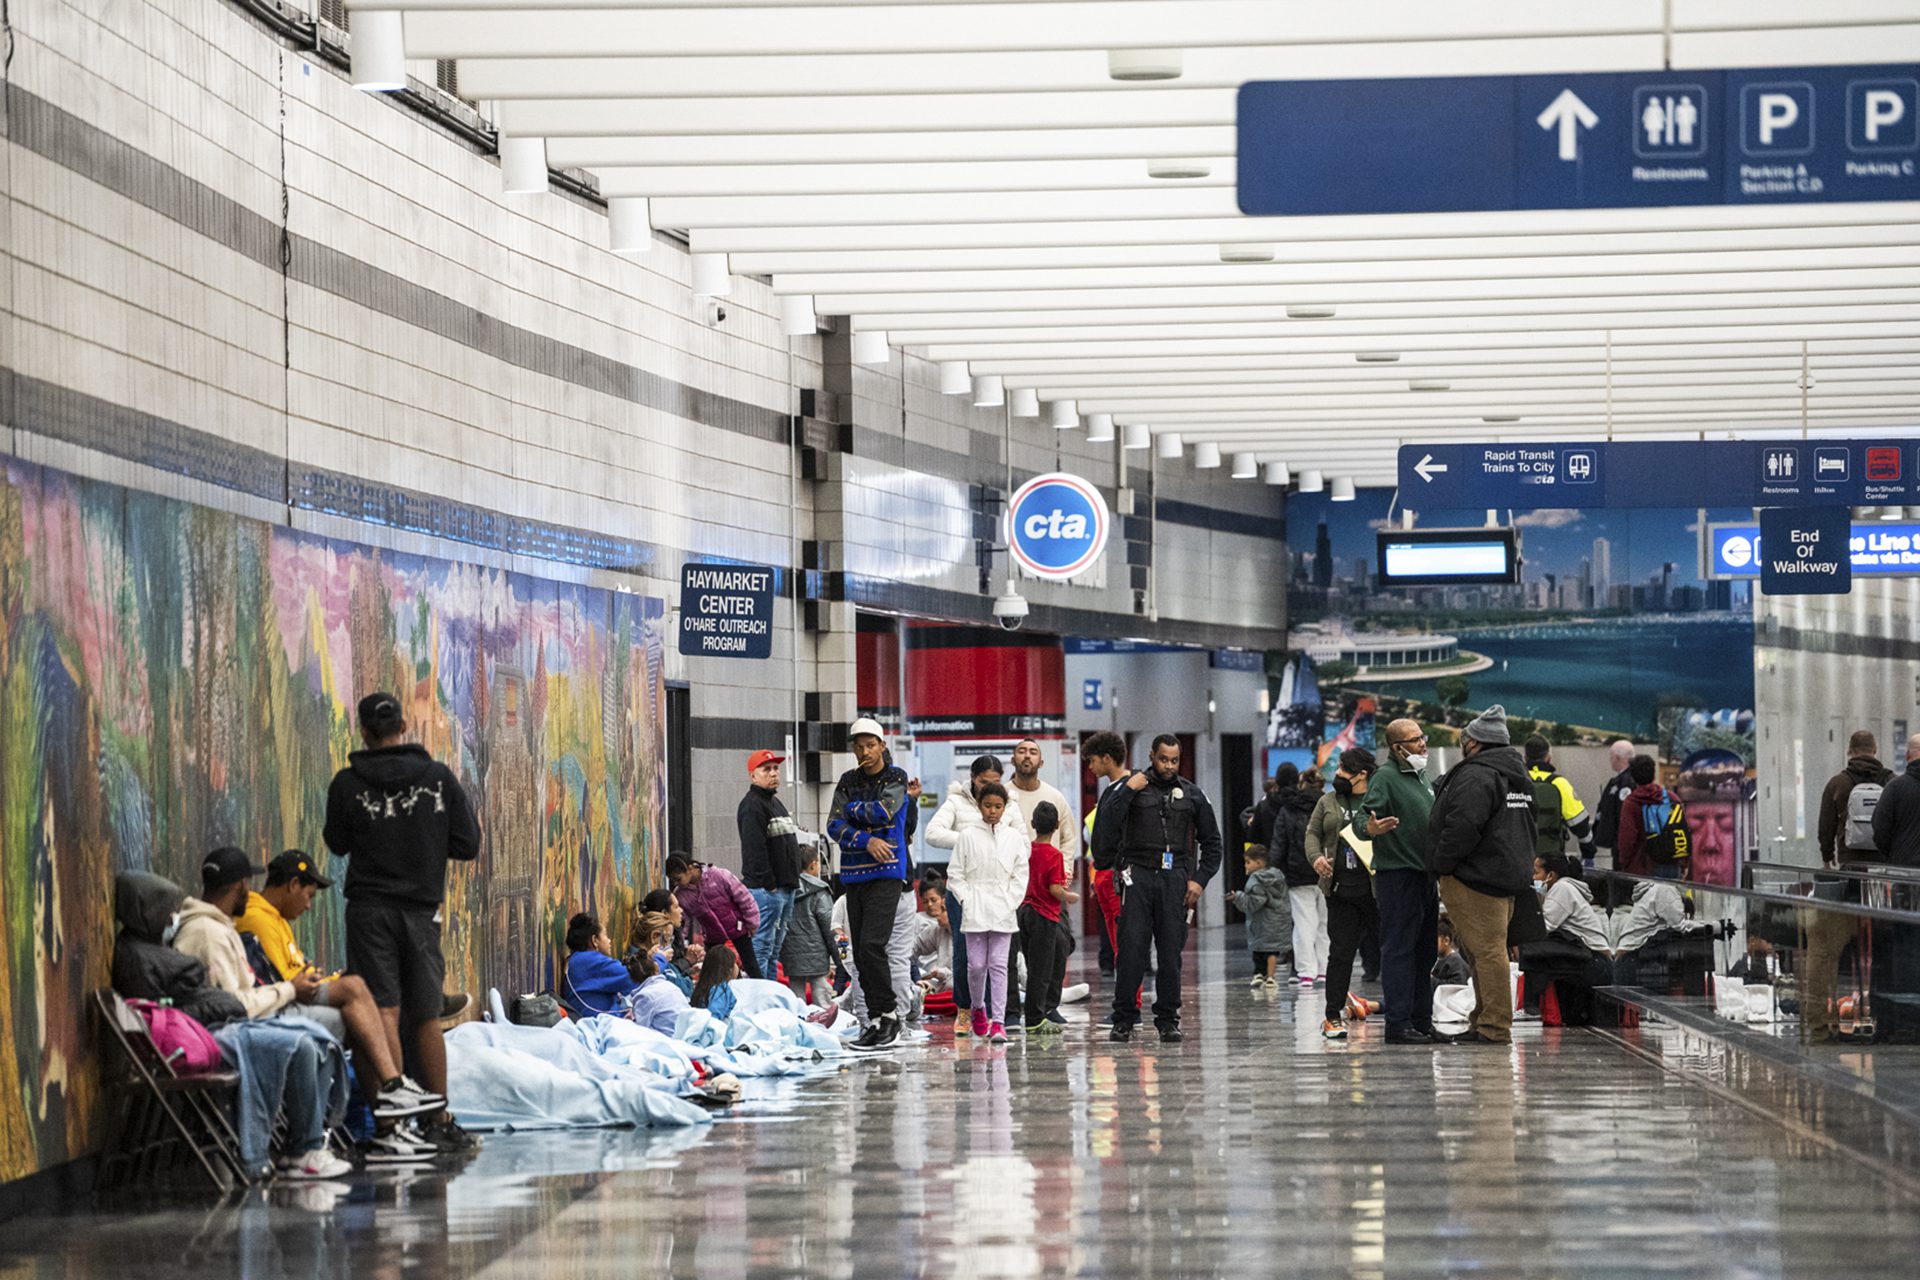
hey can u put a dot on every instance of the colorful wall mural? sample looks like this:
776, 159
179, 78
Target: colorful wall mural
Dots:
174, 678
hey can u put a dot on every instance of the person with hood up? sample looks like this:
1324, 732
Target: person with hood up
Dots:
960, 810
719, 905
1573, 956
769, 857
399, 816
870, 820
1480, 839
1287, 854
807, 956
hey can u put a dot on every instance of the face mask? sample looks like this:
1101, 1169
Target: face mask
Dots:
1539, 886
1342, 787
1417, 763
173, 927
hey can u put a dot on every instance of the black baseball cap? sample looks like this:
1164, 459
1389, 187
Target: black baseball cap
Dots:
224, 866
295, 865
380, 713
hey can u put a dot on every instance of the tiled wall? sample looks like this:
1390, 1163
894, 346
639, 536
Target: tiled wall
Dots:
230, 277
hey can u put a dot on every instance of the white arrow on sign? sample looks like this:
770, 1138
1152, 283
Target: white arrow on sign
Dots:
1569, 115
1427, 468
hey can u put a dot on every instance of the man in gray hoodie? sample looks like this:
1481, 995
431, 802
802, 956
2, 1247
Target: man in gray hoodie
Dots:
1480, 839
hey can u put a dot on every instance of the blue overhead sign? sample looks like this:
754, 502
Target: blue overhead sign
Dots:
1803, 551
1663, 473
1878, 548
1774, 135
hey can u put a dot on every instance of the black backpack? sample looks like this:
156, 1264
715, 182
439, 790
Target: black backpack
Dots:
1549, 826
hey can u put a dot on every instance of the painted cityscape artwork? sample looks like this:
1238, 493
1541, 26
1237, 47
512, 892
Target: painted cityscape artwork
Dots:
175, 678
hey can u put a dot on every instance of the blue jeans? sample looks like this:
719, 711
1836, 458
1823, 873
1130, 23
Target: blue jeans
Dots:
776, 913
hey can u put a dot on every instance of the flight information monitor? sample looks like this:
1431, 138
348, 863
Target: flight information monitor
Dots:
1447, 557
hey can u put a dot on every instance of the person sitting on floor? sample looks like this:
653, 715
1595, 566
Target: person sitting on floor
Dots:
341, 1003
1451, 968
1656, 917
714, 992
654, 935
657, 1002
1573, 956
595, 982
933, 939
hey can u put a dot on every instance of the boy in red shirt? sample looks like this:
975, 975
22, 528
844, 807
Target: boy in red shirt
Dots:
1042, 939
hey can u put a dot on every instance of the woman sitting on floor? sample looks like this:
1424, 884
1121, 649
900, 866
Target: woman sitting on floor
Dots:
595, 982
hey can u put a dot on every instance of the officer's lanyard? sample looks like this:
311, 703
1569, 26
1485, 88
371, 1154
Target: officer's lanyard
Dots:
1352, 821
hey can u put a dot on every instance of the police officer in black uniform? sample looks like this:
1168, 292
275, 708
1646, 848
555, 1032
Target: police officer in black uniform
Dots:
1148, 827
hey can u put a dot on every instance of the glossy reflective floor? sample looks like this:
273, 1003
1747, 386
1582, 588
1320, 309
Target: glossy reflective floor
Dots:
1253, 1149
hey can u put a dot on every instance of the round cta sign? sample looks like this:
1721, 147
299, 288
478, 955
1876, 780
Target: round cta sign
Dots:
1057, 525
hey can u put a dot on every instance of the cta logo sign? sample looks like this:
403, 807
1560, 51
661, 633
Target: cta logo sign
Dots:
1057, 525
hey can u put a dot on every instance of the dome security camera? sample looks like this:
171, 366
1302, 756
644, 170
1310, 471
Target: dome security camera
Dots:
1010, 610
716, 314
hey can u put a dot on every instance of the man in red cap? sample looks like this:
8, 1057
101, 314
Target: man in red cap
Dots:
769, 856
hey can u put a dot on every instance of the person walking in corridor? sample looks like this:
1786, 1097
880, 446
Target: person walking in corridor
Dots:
769, 858
1397, 806
1287, 854
868, 821
1480, 839
1158, 831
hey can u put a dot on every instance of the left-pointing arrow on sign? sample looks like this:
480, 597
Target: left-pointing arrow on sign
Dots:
1569, 115
1427, 468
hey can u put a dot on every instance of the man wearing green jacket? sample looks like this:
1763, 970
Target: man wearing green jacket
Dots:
1397, 805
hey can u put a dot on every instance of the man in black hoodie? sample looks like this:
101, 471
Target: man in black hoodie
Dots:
398, 815
1480, 839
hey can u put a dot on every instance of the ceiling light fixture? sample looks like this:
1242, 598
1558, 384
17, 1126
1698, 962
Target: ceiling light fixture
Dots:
377, 51
1026, 402
523, 166
1342, 489
1145, 64
1315, 312
1206, 456
869, 347
1170, 445
710, 276
1138, 436
1178, 168
1377, 357
1428, 384
1246, 253
630, 225
1245, 466
797, 316
1099, 428
954, 378
989, 391
1063, 414
1312, 482
1501, 417
1279, 473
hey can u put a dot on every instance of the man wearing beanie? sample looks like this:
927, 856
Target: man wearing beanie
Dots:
1480, 839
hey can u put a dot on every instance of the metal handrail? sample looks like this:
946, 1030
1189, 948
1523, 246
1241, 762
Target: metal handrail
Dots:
1854, 871
1790, 901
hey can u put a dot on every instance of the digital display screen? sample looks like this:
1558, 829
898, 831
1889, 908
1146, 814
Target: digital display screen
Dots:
1442, 557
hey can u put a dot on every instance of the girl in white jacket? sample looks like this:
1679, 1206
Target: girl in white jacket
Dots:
958, 812
988, 874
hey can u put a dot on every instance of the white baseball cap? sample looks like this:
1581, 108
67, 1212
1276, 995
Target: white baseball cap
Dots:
866, 725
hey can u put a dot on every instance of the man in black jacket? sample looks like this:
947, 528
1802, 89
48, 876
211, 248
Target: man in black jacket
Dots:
399, 816
1147, 828
769, 856
1896, 820
1480, 840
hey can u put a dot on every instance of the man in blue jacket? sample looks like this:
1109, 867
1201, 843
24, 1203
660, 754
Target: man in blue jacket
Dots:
869, 822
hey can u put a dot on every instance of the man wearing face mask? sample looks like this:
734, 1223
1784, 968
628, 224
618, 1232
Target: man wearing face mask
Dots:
1397, 805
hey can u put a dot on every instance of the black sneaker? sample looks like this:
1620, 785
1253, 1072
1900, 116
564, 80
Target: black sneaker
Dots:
1121, 1032
880, 1036
1171, 1035
449, 1139
889, 1032
400, 1145
1057, 1018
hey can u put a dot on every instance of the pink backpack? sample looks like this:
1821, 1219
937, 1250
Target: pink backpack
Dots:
187, 1047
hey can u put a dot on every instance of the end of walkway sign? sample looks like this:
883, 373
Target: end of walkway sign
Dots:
1805, 552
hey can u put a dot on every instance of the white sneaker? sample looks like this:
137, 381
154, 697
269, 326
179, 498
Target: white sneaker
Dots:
1272, 983
1258, 981
318, 1163
406, 1098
